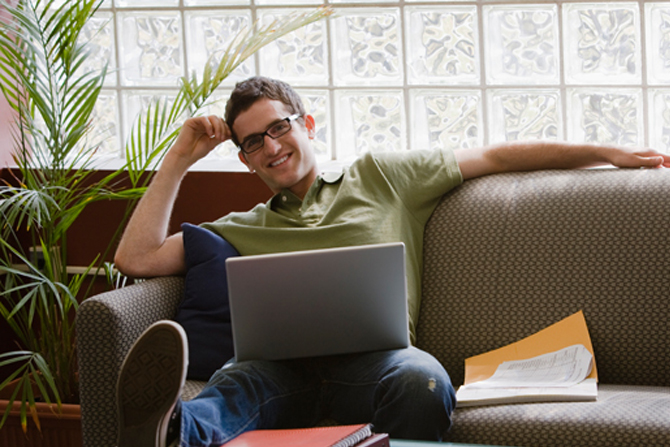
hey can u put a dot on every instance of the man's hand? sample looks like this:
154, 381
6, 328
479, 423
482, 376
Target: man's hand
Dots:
198, 137
529, 156
645, 158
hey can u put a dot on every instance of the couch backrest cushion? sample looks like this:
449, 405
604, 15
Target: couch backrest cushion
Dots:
507, 255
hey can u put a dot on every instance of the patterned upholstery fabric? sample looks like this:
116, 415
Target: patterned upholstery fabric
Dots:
622, 416
107, 326
505, 256
508, 255
192, 389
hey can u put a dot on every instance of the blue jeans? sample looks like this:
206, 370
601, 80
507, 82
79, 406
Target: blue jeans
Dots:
406, 393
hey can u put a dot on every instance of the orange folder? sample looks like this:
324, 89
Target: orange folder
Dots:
567, 332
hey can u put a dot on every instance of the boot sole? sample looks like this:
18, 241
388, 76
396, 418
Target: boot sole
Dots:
150, 382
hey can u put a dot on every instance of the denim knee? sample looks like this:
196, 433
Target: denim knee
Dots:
418, 396
425, 379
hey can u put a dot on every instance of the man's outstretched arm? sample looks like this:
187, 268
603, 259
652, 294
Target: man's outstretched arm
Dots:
145, 248
530, 156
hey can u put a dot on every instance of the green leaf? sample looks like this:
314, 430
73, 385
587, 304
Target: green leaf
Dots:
10, 358
45, 372
11, 400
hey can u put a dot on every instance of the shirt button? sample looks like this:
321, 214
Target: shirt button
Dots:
284, 198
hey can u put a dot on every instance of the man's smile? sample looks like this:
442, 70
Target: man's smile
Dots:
280, 161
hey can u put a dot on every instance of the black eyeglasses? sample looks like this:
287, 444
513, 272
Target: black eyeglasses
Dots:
256, 141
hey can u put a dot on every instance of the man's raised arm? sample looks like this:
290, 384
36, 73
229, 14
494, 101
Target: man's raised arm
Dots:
529, 156
146, 249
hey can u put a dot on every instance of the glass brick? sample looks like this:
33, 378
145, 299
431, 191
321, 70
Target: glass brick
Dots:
106, 132
208, 34
607, 116
528, 114
151, 48
367, 49
216, 105
99, 34
188, 3
134, 102
317, 104
146, 3
521, 44
283, 2
54, 6
363, 1
658, 42
369, 121
442, 2
602, 46
602, 43
445, 120
659, 119
300, 57
443, 47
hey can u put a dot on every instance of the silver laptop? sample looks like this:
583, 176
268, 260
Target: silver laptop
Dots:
318, 302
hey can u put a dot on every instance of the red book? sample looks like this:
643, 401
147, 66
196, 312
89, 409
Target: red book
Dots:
334, 436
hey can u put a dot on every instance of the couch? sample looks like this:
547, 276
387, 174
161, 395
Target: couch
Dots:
505, 256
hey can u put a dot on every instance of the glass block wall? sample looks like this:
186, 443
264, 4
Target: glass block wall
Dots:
404, 75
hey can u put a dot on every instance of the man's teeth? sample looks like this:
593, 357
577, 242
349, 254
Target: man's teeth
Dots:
280, 161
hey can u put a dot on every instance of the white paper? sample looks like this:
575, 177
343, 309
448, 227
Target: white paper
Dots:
563, 368
586, 390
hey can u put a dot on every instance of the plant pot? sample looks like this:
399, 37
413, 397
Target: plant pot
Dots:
58, 429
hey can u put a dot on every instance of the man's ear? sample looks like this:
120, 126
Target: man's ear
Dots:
243, 159
310, 125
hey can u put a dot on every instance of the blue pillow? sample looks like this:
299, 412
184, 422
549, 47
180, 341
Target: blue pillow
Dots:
204, 312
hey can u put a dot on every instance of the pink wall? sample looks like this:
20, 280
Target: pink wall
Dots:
6, 141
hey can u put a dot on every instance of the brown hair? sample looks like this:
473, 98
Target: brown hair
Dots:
247, 92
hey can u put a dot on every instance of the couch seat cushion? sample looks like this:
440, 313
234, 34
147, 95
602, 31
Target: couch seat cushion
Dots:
622, 416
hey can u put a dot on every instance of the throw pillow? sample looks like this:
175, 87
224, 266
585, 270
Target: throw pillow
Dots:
204, 312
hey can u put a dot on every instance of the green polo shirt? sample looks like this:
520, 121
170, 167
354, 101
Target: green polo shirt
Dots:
380, 198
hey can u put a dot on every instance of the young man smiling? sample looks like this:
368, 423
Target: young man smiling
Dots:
287, 162
379, 198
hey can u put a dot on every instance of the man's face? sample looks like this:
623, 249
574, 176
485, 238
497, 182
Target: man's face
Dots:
287, 162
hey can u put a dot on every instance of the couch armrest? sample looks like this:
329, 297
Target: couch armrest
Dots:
107, 325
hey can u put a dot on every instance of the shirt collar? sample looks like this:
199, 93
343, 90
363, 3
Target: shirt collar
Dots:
285, 197
332, 177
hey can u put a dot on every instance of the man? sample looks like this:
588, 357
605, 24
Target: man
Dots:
379, 198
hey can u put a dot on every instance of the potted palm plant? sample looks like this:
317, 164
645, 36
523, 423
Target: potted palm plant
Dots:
42, 56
